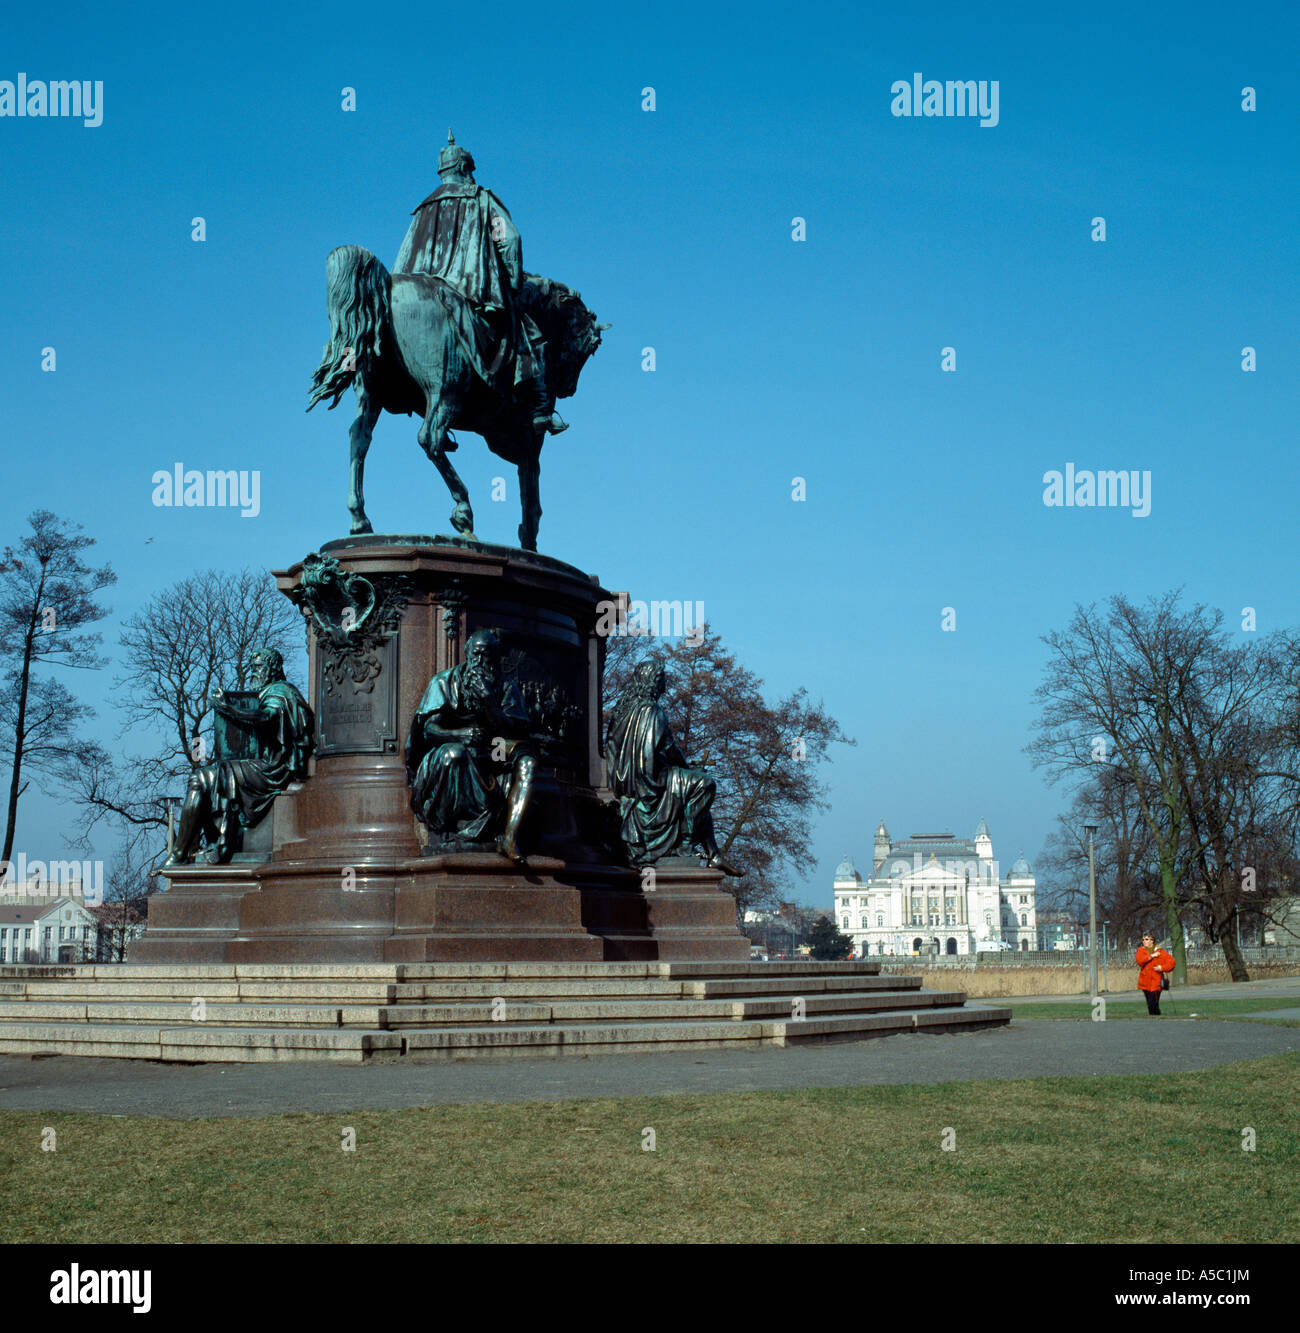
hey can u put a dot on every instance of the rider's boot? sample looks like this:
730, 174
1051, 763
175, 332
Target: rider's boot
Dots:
542, 416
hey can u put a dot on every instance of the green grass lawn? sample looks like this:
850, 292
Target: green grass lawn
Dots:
1185, 1003
1034, 1160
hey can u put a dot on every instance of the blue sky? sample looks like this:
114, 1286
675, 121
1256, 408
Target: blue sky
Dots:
775, 358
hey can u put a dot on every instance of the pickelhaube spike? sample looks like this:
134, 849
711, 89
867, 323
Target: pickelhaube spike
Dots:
454, 156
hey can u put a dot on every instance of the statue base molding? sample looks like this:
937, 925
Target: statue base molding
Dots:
456, 907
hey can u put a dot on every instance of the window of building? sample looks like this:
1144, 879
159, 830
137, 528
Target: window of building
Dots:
988, 918
1024, 918
846, 923
880, 918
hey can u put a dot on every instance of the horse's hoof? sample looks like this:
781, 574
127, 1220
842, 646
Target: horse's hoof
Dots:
361, 526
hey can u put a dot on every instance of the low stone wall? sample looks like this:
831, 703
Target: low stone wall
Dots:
987, 981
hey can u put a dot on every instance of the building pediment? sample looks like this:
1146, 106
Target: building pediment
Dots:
931, 873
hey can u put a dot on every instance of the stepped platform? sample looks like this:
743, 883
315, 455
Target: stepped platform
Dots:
357, 1012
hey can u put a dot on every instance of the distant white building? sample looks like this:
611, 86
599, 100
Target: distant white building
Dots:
935, 892
62, 931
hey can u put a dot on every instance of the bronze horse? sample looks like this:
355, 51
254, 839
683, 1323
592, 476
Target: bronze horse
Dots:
395, 339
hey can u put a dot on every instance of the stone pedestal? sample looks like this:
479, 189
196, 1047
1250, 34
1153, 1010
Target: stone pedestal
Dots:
198, 916
691, 916
345, 875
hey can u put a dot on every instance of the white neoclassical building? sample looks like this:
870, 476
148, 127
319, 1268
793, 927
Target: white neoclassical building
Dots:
43, 931
934, 892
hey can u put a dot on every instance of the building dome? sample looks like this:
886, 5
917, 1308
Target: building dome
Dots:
881, 830
1020, 868
982, 830
846, 870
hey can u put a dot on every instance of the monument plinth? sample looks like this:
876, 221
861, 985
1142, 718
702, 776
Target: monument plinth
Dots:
343, 870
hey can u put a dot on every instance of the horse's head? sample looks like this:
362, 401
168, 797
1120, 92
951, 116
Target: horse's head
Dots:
570, 329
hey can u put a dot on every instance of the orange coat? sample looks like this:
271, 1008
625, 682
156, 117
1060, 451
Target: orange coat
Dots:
1152, 964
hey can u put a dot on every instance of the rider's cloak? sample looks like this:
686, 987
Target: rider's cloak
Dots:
463, 235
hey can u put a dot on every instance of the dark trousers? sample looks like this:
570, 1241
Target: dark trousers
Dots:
1153, 1001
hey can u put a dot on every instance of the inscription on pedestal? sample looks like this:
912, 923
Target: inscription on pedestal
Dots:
359, 718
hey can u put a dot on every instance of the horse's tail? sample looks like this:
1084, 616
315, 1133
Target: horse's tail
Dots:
357, 287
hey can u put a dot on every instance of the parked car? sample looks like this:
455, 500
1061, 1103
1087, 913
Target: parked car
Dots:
992, 946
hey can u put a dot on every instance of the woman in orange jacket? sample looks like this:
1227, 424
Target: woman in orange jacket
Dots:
1154, 963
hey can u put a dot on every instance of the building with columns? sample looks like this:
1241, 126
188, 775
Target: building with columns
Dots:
934, 892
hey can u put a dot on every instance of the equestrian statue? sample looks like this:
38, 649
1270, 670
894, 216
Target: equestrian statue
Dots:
459, 333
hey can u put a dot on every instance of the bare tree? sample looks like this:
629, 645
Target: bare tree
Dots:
1186, 717
1226, 717
121, 916
46, 602
1127, 870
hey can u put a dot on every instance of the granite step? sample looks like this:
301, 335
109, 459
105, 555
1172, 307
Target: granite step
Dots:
195, 1043
801, 985
398, 972
182, 1012
555, 1010
853, 1027
432, 992
324, 990
515, 1010
209, 1042
182, 990
359, 1012
699, 1034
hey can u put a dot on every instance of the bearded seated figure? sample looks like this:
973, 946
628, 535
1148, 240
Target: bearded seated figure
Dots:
467, 758
225, 797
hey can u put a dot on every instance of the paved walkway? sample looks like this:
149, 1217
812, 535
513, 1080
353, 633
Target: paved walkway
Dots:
1284, 988
1027, 1049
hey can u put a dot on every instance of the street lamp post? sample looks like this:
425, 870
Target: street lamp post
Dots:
1105, 957
1091, 830
173, 804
